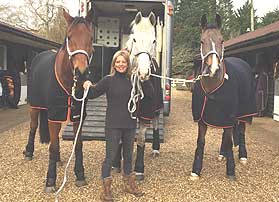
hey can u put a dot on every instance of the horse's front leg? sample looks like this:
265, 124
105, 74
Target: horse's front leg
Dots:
242, 155
79, 169
228, 145
197, 165
29, 149
139, 165
54, 129
156, 137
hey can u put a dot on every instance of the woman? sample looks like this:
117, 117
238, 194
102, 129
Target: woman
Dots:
119, 124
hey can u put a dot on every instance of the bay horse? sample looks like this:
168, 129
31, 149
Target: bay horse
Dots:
53, 80
146, 96
224, 97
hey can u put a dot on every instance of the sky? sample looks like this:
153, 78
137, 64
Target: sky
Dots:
261, 6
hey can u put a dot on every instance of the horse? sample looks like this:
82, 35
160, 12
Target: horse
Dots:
141, 45
223, 97
54, 80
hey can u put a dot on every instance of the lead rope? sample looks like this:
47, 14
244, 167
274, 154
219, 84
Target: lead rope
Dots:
136, 93
75, 141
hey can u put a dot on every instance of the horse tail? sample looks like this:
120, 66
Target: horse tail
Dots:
44, 131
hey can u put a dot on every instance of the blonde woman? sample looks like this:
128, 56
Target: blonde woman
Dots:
119, 124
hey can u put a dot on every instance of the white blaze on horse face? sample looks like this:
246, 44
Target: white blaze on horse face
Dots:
215, 61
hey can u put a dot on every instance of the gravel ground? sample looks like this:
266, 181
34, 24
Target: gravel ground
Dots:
167, 177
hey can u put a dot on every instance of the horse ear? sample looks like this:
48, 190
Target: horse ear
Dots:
203, 22
218, 21
138, 17
152, 18
67, 17
90, 16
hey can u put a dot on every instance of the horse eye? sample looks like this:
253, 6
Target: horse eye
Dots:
201, 42
134, 40
154, 41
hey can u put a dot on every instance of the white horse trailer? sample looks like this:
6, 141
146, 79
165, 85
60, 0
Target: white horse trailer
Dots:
113, 18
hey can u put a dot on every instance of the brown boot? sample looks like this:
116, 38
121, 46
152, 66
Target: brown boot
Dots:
106, 195
130, 185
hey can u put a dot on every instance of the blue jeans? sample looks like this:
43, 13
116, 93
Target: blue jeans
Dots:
113, 137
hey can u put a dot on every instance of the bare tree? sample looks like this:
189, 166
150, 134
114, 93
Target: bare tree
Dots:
38, 16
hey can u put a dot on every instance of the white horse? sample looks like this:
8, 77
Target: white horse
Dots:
142, 47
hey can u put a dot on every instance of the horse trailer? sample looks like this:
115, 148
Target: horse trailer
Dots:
112, 29
112, 19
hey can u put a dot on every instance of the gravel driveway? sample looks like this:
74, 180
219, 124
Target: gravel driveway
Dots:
167, 177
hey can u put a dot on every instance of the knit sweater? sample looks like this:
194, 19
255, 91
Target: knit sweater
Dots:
118, 89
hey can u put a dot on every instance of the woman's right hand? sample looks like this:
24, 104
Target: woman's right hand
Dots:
87, 84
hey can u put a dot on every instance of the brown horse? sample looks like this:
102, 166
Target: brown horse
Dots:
53, 79
224, 97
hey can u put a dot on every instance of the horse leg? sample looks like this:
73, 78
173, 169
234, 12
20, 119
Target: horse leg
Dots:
54, 129
228, 145
242, 145
156, 137
29, 149
79, 169
221, 156
197, 165
116, 164
139, 165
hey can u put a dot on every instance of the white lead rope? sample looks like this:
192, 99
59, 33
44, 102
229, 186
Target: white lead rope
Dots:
75, 141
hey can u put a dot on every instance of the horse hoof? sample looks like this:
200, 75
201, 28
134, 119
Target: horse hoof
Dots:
155, 153
80, 183
231, 178
50, 189
115, 170
194, 177
59, 163
221, 157
243, 160
27, 156
139, 177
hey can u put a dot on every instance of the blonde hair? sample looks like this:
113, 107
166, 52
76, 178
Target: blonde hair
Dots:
126, 56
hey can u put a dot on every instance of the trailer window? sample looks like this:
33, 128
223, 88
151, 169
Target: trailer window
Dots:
3, 57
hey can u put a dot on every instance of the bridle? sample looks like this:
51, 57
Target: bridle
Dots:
136, 68
213, 51
71, 54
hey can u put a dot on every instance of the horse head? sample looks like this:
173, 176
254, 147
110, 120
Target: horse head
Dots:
142, 44
212, 46
79, 41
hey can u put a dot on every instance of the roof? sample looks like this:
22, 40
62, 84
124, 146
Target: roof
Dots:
261, 36
16, 35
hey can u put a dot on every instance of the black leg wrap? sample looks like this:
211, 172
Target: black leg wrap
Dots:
139, 165
230, 163
29, 149
222, 148
79, 169
156, 140
197, 165
242, 146
51, 174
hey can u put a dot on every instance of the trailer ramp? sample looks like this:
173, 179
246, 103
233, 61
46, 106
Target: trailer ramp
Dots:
94, 124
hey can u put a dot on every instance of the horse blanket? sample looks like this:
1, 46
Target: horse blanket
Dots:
150, 105
46, 92
233, 100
